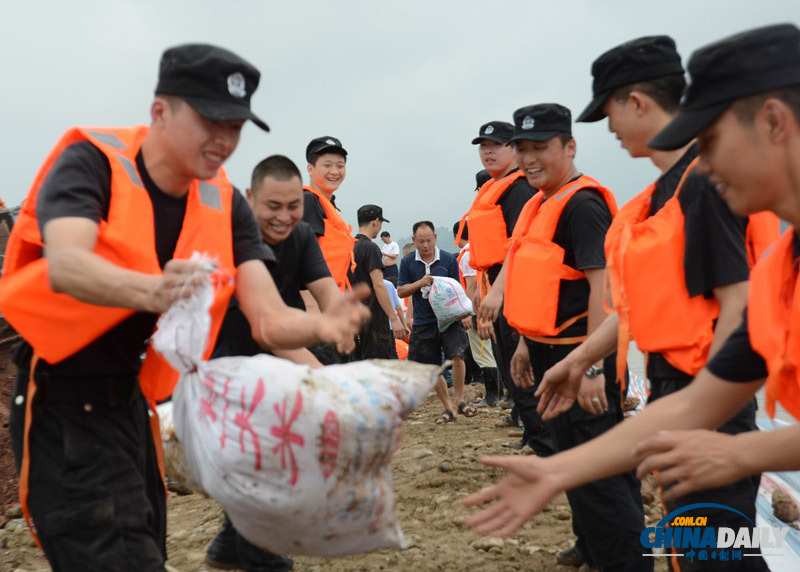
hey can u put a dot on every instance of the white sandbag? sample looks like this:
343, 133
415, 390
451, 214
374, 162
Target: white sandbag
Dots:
297, 457
448, 301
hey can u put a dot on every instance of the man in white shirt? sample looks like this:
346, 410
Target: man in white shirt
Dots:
391, 252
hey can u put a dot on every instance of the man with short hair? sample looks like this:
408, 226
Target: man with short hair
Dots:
376, 339
276, 197
327, 167
553, 285
427, 343
391, 255
100, 249
743, 106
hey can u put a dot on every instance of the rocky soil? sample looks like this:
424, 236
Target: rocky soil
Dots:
435, 467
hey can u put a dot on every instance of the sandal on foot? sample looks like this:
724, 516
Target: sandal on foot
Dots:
467, 410
446, 417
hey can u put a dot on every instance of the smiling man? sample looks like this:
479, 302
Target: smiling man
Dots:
327, 167
100, 249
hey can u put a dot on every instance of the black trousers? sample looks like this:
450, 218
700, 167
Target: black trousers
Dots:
96, 495
607, 515
740, 495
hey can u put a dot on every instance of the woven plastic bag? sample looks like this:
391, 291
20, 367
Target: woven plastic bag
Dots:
298, 457
448, 301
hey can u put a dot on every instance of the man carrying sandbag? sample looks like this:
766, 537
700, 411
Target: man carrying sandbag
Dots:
120, 211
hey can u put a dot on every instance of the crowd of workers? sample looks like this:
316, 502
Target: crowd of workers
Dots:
560, 276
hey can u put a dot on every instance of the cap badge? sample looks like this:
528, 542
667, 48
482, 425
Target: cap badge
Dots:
489, 130
330, 142
528, 122
236, 85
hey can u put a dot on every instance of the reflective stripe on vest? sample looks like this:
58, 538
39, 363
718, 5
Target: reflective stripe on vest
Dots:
58, 325
536, 263
337, 243
773, 321
488, 234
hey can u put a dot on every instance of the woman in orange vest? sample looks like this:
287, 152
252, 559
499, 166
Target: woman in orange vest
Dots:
553, 283
327, 167
678, 258
745, 113
120, 211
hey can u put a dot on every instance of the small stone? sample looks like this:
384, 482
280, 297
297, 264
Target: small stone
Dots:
441, 499
784, 507
468, 445
495, 550
532, 549
459, 519
427, 466
445, 466
563, 515
14, 512
512, 541
484, 544
648, 498
478, 445
421, 454
179, 535
585, 568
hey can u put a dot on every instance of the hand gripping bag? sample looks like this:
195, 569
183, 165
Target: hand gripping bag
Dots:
298, 457
448, 301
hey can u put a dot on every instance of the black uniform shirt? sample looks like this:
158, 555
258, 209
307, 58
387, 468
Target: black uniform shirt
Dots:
79, 184
298, 262
368, 257
581, 232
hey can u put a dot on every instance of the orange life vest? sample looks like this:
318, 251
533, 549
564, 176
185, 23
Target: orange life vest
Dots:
644, 263
763, 229
337, 243
536, 263
58, 325
488, 235
773, 321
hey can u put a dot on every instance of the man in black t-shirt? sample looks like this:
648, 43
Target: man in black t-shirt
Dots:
376, 339
94, 488
743, 105
606, 538
276, 197
638, 86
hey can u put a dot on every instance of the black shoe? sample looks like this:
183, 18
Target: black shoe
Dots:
491, 382
255, 559
221, 553
571, 557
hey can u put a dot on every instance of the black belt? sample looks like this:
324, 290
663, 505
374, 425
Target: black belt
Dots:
109, 391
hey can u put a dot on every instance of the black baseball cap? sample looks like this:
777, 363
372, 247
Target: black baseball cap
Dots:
541, 122
216, 83
641, 59
481, 178
324, 144
368, 213
746, 64
497, 131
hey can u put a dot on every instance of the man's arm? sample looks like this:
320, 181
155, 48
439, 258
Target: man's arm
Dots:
489, 307
386, 304
75, 270
275, 325
325, 292
732, 300
532, 482
406, 290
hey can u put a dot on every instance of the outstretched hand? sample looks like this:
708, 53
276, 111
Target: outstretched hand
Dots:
691, 460
559, 389
522, 494
339, 323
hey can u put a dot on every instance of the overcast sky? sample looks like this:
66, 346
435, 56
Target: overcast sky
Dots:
405, 85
